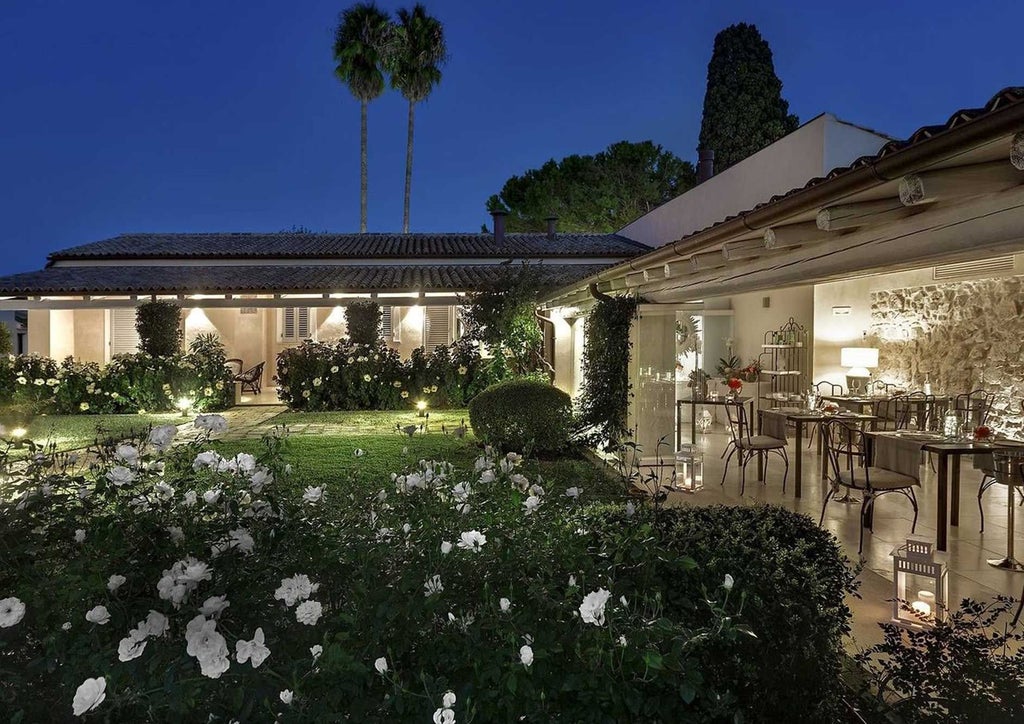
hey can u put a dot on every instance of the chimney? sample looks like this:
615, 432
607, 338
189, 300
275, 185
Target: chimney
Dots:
552, 232
499, 225
705, 164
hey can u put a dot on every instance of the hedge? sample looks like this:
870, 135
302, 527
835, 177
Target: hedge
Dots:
522, 414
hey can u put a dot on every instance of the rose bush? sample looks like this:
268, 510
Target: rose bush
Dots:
168, 581
321, 376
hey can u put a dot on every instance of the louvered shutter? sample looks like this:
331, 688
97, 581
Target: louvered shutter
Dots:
386, 328
436, 327
295, 324
124, 338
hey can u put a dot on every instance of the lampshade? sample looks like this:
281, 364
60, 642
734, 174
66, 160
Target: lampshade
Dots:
861, 357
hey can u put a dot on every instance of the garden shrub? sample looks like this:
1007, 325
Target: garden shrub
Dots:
364, 322
159, 326
5, 339
794, 578
504, 318
478, 582
320, 376
520, 414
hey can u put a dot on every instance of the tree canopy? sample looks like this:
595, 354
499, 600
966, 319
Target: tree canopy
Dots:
744, 110
599, 193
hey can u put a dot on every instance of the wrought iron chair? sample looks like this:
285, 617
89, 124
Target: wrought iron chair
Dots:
252, 379
974, 407
749, 446
821, 389
881, 387
891, 413
916, 410
849, 468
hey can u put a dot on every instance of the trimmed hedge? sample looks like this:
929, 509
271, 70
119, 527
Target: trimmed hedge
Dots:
794, 578
522, 414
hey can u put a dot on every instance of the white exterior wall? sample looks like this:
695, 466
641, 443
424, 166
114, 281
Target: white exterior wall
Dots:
812, 150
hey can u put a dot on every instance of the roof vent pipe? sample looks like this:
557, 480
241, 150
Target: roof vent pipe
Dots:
705, 164
552, 221
499, 225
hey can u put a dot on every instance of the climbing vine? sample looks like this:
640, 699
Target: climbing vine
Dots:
604, 397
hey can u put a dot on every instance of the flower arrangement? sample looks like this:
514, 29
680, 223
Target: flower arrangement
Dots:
735, 384
730, 368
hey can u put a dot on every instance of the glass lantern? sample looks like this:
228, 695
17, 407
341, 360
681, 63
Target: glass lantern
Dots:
689, 470
919, 585
704, 421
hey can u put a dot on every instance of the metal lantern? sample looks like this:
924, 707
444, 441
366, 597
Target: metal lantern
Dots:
920, 582
704, 421
689, 471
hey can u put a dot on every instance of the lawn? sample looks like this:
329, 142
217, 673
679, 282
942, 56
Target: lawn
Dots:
72, 432
322, 447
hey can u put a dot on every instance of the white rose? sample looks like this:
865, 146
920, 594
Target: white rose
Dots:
90, 694
98, 615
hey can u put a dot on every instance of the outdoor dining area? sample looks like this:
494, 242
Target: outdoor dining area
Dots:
837, 457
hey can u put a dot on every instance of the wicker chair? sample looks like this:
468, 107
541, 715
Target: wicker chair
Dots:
235, 365
749, 446
849, 468
252, 379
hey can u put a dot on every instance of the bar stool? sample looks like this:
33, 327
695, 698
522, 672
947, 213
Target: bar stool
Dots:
1008, 466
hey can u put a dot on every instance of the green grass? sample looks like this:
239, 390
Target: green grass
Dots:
321, 449
72, 432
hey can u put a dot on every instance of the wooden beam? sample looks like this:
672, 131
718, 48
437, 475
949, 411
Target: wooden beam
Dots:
791, 236
744, 249
975, 179
707, 260
865, 213
1017, 151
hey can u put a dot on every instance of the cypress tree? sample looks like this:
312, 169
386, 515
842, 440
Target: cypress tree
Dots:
744, 110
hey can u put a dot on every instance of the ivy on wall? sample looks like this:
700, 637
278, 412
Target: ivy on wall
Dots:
604, 396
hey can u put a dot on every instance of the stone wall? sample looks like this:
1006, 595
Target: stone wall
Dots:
962, 336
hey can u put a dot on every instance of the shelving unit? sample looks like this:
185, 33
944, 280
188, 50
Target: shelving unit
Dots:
783, 360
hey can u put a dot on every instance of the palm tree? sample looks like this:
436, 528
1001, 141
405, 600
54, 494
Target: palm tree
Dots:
361, 44
415, 63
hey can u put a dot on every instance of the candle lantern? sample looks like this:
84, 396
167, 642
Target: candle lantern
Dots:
689, 470
704, 421
920, 582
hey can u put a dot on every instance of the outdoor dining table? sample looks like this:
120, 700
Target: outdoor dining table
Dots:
866, 403
948, 452
799, 418
693, 402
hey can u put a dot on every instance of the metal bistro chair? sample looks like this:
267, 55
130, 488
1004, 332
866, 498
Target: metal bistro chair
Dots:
749, 446
973, 407
1008, 469
916, 410
891, 413
849, 468
821, 389
252, 379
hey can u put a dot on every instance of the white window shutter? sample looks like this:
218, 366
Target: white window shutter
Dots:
386, 325
303, 331
295, 324
437, 327
124, 338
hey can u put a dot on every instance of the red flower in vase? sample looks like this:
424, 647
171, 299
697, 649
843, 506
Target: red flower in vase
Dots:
735, 384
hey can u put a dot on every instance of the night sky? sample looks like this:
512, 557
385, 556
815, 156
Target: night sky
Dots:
221, 115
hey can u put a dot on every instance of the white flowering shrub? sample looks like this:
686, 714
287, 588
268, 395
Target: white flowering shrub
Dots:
168, 582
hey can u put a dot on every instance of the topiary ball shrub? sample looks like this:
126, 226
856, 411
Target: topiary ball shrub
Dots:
522, 414
794, 579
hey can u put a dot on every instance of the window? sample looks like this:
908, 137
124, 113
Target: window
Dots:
387, 331
124, 339
437, 327
294, 324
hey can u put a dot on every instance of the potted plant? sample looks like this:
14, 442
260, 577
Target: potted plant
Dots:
699, 384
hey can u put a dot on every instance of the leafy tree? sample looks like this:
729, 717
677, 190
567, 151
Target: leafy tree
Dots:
415, 62
599, 193
361, 45
159, 326
364, 320
743, 106
504, 318
5, 339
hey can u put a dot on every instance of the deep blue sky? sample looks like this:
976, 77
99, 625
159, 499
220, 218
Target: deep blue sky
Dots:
217, 115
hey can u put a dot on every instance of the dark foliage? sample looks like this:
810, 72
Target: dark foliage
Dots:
522, 415
599, 193
604, 397
969, 668
793, 577
504, 318
743, 106
159, 326
363, 319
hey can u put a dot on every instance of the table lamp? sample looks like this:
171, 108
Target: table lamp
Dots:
859, 360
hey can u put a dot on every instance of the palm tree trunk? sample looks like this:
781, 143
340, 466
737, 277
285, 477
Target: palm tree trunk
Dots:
408, 171
362, 168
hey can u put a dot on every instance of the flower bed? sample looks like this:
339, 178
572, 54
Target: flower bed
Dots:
30, 384
324, 376
171, 582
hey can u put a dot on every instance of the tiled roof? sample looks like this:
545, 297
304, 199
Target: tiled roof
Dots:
1006, 97
288, 245
98, 280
